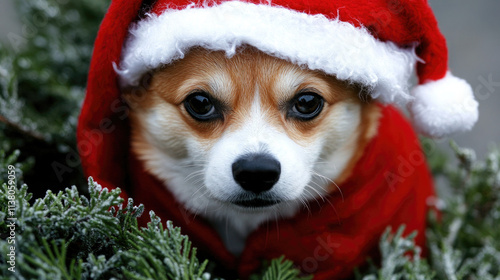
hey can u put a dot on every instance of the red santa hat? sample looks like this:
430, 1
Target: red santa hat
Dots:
375, 44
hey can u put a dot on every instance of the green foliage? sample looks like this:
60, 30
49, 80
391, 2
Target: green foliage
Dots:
280, 269
43, 72
153, 257
44, 68
50, 262
464, 243
69, 236
13, 159
400, 259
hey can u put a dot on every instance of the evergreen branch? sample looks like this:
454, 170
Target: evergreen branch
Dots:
281, 269
51, 262
23, 130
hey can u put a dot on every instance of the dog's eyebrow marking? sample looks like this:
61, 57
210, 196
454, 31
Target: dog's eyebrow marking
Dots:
288, 81
219, 84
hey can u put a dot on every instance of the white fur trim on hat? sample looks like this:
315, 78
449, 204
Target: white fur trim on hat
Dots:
335, 47
443, 107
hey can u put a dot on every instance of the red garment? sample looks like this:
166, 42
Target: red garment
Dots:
389, 185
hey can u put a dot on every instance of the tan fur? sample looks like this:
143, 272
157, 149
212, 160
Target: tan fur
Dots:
367, 130
235, 81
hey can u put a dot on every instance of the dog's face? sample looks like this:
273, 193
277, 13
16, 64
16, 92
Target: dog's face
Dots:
249, 134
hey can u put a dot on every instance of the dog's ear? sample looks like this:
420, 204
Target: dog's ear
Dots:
360, 92
350, 90
364, 94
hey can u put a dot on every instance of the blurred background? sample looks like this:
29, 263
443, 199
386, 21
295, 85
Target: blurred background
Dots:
472, 29
46, 46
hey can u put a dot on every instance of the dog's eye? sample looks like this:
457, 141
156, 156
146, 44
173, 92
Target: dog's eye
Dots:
306, 106
201, 106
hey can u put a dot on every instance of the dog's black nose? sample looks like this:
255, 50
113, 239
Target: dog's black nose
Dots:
256, 172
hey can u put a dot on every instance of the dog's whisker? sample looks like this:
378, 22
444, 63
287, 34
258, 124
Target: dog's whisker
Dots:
193, 175
198, 210
331, 181
341, 193
227, 226
277, 224
200, 188
320, 187
305, 203
316, 191
315, 199
322, 179
324, 198
321, 176
322, 162
192, 164
198, 181
333, 207
195, 213
219, 208
197, 160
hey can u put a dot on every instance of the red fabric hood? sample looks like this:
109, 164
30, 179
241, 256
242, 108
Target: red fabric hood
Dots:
389, 185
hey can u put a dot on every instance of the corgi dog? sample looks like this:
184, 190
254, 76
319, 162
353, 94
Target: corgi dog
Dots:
250, 138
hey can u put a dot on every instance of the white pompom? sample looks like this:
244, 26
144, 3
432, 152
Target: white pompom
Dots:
443, 107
